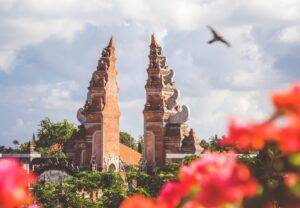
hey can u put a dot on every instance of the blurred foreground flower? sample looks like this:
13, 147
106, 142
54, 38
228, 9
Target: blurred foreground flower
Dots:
288, 101
14, 184
246, 137
214, 181
138, 201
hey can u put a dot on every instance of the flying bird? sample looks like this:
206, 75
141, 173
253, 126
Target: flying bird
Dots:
217, 37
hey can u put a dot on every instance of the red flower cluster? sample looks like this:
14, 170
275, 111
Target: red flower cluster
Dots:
252, 136
288, 102
215, 180
138, 201
286, 132
14, 184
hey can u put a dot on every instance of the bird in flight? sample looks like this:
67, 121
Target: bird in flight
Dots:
217, 37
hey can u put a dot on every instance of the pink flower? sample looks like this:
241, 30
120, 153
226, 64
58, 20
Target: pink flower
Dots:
172, 193
14, 184
138, 201
288, 136
218, 179
34, 206
252, 136
288, 101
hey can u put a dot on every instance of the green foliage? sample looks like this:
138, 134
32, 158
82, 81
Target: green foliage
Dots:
47, 153
47, 194
141, 144
269, 167
166, 173
16, 142
23, 147
249, 160
51, 133
8, 150
149, 184
213, 145
112, 197
128, 140
188, 159
70, 192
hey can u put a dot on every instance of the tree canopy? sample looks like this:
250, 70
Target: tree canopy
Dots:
51, 132
128, 140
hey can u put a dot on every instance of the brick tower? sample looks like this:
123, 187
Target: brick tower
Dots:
167, 136
97, 141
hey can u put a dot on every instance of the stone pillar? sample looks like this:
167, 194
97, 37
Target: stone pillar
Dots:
99, 117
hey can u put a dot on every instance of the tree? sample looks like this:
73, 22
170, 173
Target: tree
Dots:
213, 145
53, 134
70, 193
141, 144
16, 143
190, 158
128, 140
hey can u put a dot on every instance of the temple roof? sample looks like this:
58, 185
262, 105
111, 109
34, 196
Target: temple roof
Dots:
129, 156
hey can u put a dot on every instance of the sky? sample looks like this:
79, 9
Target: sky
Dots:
49, 49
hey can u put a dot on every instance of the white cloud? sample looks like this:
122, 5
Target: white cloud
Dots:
59, 97
277, 9
211, 112
215, 81
290, 34
25, 22
23, 107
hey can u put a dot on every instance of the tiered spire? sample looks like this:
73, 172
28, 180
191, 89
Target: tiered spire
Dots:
165, 120
160, 77
98, 82
153, 40
111, 43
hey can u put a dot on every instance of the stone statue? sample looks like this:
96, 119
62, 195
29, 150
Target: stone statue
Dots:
103, 64
169, 77
101, 104
181, 116
93, 163
95, 78
172, 101
162, 62
80, 116
105, 52
89, 98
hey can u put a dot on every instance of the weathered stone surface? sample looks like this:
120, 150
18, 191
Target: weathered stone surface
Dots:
164, 119
181, 116
97, 142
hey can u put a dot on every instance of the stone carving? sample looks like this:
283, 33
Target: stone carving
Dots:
181, 116
172, 101
162, 62
101, 103
103, 81
95, 81
156, 51
89, 98
80, 116
110, 161
122, 165
143, 165
54, 176
93, 163
105, 52
103, 64
154, 64
169, 77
